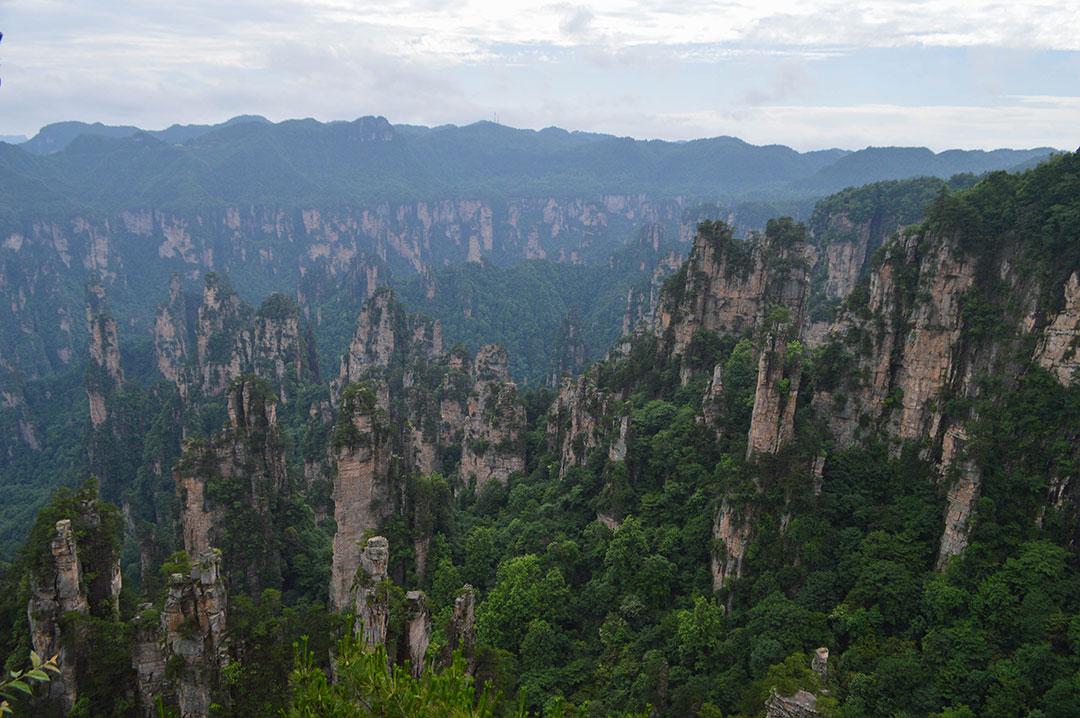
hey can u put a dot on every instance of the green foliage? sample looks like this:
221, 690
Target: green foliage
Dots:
18, 686
365, 687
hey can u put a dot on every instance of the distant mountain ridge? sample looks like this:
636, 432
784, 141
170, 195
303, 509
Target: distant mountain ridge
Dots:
297, 163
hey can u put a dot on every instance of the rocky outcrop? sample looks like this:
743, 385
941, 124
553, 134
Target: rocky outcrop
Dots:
70, 581
242, 466
361, 492
802, 704
148, 661
720, 289
196, 643
417, 630
372, 603
731, 534
582, 418
964, 479
1059, 348
171, 333
54, 593
461, 631
104, 374
230, 340
493, 438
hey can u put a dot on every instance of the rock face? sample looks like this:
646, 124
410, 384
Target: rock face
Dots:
800, 705
461, 633
407, 406
148, 662
71, 583
361, 490
229, 339
582, 418
194, 623
244, 465
964, 479
731, 534
104, 374
417, 630
722, 289
372, 604
492, 444
58, 592
1059, 348
171, 339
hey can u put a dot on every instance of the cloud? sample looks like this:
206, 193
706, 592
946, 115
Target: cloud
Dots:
653, 68
576, 21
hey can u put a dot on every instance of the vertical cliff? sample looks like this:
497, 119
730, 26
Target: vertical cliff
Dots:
75, 574
104, 374
230, 339
361, 493
196, 643
492, 442
372, 604
230, 487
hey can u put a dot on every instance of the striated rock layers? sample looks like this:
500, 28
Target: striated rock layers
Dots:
104, 374
194, 623
372, 602
72, 581
407, 406
362, 497
227, 339
237, 479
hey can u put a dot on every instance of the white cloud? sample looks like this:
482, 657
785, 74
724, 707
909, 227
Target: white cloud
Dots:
613, 65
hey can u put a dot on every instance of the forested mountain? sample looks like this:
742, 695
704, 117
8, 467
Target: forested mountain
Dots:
829, 469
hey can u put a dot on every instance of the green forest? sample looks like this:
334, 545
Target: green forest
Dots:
594, 589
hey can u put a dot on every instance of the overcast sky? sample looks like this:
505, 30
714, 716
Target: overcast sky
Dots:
807, 73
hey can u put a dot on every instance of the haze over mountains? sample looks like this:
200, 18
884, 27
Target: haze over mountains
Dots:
302, 162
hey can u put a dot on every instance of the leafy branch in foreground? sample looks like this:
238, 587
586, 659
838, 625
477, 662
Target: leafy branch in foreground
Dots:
19, 685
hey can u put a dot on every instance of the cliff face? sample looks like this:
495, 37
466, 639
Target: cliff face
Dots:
229, 340
409, 407
361, 490
137, 250
492, 445
582, 418
238, 476
372, 605
104, 373
194, 623
72, 581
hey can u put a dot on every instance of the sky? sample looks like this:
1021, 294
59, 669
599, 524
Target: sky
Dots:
810, 74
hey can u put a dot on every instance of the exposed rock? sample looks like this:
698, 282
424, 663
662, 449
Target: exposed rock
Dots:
772, 423
492, 444
1059, 348
52, 595
461, 632
194, 624
361, 493
820, 664
965, 479
148, 661
800, 705
104, 375
372, 605
417, 630
731, 531
243, 465
231, 340
171, 333
582, 418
